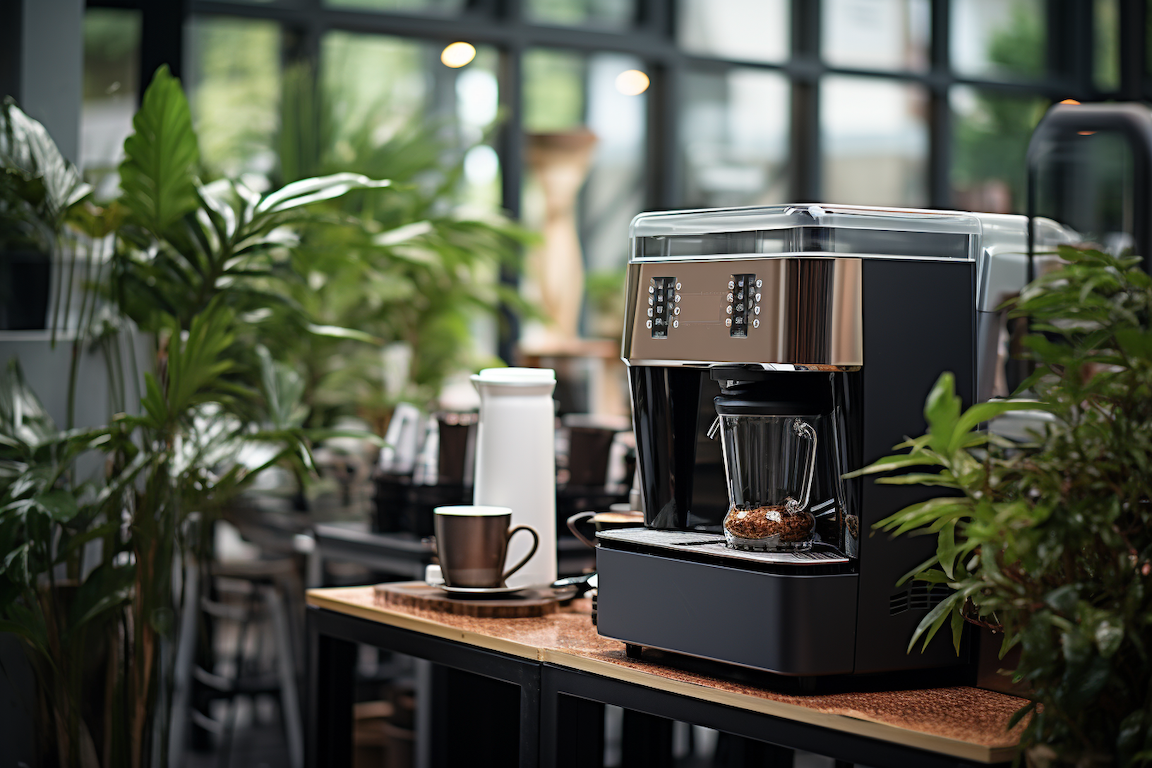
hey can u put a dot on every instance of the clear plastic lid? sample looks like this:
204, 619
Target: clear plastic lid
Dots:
806, 228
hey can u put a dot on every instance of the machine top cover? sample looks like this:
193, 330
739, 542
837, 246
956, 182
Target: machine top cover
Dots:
806, 228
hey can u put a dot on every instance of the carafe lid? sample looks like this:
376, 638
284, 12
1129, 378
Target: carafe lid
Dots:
762, 393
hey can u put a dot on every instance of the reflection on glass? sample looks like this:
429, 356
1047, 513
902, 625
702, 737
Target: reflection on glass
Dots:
403, 6
990, 134
875, 34
111, 85
565, 96
614, 14
375, 118
734, 138
999, 38
875, 139
233, 81
1106, 67
749, 30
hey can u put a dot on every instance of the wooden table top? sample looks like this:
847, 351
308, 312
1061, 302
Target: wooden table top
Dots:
964, 722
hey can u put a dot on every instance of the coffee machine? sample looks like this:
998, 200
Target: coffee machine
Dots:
770, 350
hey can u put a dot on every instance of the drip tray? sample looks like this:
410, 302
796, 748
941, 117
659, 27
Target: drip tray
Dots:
713, 544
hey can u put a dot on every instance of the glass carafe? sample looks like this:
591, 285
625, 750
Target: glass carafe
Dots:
769, 462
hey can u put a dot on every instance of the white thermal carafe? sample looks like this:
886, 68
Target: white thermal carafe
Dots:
516, 461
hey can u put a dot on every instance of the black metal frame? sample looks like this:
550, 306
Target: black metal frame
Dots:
550, 696
502, 23
332, 639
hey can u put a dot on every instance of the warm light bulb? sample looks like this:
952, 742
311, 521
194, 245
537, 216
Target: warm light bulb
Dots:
1069, 101
632, 82
457, 55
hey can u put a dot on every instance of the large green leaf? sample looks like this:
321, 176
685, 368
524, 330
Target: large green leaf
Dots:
158, 172
26, 146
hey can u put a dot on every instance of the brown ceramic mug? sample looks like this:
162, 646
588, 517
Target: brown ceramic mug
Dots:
472, 543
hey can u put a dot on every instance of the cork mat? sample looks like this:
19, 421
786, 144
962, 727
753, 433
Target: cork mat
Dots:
416, 595
965, 722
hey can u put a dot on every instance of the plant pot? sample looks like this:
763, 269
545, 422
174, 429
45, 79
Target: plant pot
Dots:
25, 285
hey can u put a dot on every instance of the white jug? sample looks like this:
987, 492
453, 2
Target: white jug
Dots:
516, 461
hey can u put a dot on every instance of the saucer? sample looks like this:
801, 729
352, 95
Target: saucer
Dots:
481, 592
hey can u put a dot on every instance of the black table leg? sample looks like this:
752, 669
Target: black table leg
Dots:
331, 664
646, 741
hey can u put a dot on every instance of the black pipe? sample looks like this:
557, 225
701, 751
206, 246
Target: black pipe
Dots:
1065, 122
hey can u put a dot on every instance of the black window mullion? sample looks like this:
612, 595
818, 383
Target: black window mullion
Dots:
940, 108
1133, 50
804, 135
510, 148
161, 38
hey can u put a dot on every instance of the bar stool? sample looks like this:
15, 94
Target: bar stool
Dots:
266, 590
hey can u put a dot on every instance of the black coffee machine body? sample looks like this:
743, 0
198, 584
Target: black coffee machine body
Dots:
846, 316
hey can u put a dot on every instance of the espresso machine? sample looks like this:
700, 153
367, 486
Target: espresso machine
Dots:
770, 351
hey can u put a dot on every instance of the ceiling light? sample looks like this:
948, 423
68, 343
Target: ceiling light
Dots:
457, 55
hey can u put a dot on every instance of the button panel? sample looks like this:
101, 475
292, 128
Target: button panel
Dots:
741, 310
662, 309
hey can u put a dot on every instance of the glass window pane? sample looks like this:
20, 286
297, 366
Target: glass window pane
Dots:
749, 30
734, 138
586, 123
233, 83
990, 137
111, 88
876, 34
401, 6
397, 126
1106, 68
999, 38
875, 141
614, 14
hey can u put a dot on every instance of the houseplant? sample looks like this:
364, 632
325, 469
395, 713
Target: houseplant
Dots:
416, 269
1050, 541
195, 267
39, 189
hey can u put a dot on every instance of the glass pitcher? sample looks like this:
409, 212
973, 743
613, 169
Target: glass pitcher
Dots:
769, 462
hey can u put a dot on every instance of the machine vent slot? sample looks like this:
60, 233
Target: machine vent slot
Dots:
921, 597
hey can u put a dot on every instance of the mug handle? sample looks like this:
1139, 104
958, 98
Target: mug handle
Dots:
527, 557
577, 518
804, 429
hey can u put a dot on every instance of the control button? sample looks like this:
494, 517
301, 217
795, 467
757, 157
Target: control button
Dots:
675, 323
677, 310
677, 298
739, 321
649, 311
731, 285
649, 323
739, 295
660, 309
757, 297
728, 321
759, 284
677, 286
756, 310
651, 289
756, 323
728, 309
739, 307
651, 301
729, 297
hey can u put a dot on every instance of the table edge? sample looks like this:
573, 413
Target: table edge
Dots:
859, 726
382, 615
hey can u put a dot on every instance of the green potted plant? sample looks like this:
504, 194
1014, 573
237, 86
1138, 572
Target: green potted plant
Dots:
195, 267
415, 270
39, 189
1050, 542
